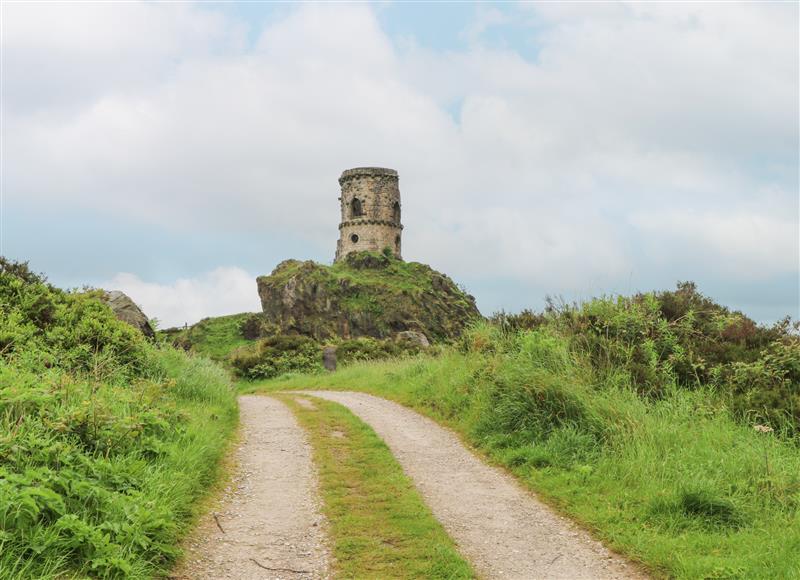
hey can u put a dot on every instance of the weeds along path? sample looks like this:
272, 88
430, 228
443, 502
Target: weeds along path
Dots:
501, 528
269, 524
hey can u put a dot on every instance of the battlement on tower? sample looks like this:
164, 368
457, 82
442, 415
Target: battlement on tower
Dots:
367, 172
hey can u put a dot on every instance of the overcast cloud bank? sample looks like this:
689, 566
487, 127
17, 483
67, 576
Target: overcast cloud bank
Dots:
629, 145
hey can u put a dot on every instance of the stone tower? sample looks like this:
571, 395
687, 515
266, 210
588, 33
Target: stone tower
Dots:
370, 204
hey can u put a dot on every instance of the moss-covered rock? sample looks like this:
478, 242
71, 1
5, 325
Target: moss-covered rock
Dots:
366, 294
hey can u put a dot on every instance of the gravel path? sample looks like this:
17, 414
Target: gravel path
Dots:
502, 529
270, 513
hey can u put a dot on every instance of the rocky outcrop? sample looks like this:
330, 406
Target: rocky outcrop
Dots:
127, 311
365, 294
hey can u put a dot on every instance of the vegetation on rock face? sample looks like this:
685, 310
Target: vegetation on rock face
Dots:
664, 422
106, 440
358, 305
366, 294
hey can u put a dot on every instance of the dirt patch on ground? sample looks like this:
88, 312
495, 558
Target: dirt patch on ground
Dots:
500, 527
305, 403
269, 523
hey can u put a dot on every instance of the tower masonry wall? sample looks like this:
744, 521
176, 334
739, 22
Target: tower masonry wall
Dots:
370, 211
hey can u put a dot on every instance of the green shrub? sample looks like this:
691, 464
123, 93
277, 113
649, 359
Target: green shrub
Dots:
73, 331
214, 338
277, 355
655, 341
284, 354
525, 319
371, 349
255, 326
768, 389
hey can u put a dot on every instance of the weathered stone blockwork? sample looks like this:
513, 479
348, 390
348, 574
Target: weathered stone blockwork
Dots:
370, 205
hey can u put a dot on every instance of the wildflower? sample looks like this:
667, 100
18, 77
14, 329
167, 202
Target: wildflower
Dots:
763, 428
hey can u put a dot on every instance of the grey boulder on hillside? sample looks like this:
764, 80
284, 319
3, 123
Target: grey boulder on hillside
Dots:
127, 311
413, 337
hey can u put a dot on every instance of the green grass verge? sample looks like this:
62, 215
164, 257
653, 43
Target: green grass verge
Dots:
379, 525
675, 483
107, 441
102, 480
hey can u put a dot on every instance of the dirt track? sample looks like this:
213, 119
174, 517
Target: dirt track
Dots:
270, 516
273, 527
501, 528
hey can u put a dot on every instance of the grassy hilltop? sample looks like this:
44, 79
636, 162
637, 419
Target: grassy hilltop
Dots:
665, 423
107, 440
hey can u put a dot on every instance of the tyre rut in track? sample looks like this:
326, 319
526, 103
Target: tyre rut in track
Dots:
268, 524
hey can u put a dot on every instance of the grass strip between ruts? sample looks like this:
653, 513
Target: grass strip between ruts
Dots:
378, 522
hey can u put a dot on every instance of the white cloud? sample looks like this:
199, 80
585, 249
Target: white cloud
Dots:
61, 56
226, 290
525, 245
747, 243
634, 121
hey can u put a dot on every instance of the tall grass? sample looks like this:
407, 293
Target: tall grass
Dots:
101, 479
675, 481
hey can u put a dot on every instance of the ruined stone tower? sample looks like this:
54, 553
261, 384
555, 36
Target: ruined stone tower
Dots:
370, 204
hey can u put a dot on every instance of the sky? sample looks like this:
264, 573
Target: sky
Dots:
176, 151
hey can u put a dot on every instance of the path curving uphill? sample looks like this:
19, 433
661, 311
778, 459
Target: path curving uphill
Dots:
501, 528
269, 524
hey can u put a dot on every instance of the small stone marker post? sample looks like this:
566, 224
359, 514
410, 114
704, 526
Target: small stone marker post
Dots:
329, 358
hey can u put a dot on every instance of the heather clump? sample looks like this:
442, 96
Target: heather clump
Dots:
658, 341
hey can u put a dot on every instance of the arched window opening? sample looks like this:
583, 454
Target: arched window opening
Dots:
396, 213
354, 238
356, 209
397, 245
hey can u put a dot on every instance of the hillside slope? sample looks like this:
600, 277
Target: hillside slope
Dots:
107, 441
214, 337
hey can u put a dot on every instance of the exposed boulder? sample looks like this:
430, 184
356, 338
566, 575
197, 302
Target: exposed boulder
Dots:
413, 337
366, 294
127, 311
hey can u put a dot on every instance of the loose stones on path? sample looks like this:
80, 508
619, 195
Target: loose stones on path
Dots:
268, 524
